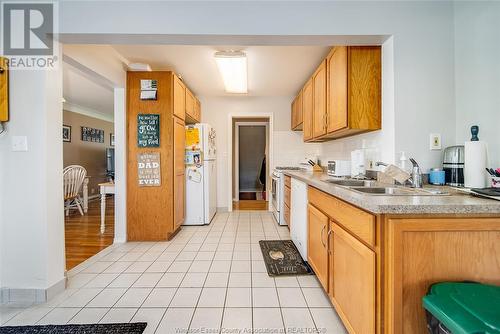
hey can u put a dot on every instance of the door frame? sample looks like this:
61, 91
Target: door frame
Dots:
269, 158
237, 126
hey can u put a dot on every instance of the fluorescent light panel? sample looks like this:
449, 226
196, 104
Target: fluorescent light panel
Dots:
233, 69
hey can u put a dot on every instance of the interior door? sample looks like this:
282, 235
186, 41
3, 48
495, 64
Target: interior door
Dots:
319, 101
179, 172
307, 109
354, 280
317, 244
337, 89
179, 98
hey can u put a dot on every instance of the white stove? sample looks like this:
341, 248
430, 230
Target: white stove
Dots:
278, 191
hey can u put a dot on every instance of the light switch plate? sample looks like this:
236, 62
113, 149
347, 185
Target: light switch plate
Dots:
435, 141
19, 144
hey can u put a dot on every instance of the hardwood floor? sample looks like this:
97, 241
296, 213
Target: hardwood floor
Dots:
83, 236
250, 205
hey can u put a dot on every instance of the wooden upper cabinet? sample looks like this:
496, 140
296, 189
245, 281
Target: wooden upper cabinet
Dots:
317, 244
190, 103
307, 110
337, 118
346, 95
197, 110
179, 94
354, 90
353, 277
319, 100
297, 117
193, 108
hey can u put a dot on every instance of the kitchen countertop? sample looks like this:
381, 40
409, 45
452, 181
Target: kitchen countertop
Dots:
455, 203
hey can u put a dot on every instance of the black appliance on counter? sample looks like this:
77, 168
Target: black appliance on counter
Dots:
453, 165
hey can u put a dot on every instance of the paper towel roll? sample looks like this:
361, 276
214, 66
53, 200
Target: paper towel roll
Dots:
476, 160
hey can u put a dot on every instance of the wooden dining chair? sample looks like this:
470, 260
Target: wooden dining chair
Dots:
73, 177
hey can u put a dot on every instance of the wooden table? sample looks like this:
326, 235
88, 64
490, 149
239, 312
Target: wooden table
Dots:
105, 188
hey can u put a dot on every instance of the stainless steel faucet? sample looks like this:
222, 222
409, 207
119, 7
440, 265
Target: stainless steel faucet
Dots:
416, 175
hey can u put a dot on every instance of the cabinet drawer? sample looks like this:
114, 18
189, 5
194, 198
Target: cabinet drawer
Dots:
288, 181
287, 196
357, 221
286, 214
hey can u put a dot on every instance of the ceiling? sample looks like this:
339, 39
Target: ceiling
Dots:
84, 94
272, 70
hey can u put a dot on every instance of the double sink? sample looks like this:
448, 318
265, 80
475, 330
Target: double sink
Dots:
374, 188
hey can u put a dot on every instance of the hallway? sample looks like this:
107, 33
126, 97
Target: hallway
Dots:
211, 277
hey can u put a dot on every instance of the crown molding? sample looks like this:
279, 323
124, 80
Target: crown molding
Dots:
72, 107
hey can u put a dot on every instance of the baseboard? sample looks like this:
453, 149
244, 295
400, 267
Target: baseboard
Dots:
31, 296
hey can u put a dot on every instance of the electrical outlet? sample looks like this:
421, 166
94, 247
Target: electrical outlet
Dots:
435, 141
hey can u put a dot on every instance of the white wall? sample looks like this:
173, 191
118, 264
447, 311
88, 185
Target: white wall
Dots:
477, 71
32, 221
423, 33
288, 145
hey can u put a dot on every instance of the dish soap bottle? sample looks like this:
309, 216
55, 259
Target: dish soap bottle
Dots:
403, 161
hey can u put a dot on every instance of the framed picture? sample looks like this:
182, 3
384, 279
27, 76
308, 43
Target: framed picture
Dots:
112, 139
92, 135
66, 133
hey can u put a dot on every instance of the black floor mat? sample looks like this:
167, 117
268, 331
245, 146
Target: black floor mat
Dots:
283, 258
133, 328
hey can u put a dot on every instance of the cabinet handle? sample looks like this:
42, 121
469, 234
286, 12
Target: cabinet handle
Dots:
322, 232
328, 238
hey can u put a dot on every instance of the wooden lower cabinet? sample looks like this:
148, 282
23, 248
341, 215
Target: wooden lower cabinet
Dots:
352, 272
377, 268
317, 246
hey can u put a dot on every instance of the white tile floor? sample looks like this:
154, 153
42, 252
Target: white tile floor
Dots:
209, 277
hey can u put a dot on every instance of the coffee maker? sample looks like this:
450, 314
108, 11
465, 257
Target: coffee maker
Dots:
453, 165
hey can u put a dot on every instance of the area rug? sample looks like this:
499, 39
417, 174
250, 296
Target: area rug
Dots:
133, 328
282, 258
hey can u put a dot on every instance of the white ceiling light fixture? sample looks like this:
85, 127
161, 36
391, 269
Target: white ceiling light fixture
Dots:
233, 69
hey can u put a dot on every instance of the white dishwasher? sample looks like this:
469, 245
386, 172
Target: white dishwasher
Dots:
298, 216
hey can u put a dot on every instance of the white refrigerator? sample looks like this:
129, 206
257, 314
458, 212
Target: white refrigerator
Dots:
201, 174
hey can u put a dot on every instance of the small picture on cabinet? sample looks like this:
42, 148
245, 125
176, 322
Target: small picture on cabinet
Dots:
66, 133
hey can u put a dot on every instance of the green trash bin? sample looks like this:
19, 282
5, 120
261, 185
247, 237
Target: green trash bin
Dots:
468, 308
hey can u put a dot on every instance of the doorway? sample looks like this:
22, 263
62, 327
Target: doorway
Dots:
250, 163
88, 164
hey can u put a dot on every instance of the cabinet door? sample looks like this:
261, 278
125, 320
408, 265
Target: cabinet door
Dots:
319, 101
179, 181
317, 246
298, 111
353, 274
294, 114
307, 109
337, 89
179, 98
190, 104
197, 110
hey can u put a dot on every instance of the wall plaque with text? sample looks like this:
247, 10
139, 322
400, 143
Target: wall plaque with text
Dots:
148, 130
148, 169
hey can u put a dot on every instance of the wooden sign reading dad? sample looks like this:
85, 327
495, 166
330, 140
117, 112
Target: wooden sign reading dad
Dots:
148, 169
148, 130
